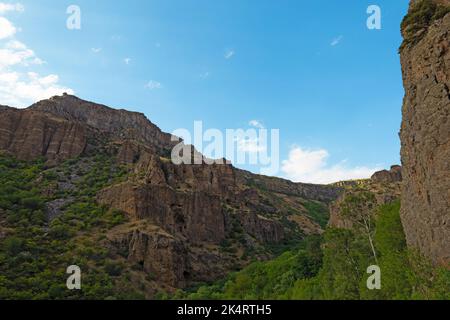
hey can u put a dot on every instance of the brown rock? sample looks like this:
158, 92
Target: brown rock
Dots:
179, 215
29, 135
120, 124
149, 247
393, 175
262, 228
425, 138
197, 216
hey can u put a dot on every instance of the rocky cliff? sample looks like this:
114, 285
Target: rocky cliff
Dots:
184, 223
425, 131
393, 175
29, 135
365, 197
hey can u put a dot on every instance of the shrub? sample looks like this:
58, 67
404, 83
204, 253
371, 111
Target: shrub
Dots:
13, 246
421, 16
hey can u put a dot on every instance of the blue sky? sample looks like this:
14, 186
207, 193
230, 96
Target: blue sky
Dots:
309, 68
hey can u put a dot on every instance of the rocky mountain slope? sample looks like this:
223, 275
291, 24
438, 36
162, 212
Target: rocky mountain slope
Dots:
183, 223
85, 184
425, 132
360, 202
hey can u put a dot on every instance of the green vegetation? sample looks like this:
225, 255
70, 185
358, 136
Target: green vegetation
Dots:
318, 211
336, 269
265, 280
420, 17
35, 251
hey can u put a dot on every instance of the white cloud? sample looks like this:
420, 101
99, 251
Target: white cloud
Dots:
250, 145
229, 54
7, 29
22, 88
96, 50
5, 7
310, 166
127, 60
16, 53
336, 40
153, 85
256, 124
250, 142
15, 45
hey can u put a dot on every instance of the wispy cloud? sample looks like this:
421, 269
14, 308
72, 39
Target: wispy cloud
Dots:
22, 88
153, 85
127, 61
256, 123
310, 166
229, 54
116, 37
336, 40
96, 50
5, 7
205, 75
250, 145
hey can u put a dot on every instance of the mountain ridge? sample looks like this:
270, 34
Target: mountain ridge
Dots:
73, 109
183, 223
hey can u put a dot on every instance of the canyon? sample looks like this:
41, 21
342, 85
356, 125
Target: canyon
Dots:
101, 181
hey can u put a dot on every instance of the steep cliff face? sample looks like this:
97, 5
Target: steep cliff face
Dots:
29, 135
116, 124
154, 250
63, 127
425, 132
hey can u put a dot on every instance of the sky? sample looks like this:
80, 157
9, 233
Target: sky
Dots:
311, 69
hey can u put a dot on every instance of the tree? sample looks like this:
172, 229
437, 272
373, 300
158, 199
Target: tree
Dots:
360, 209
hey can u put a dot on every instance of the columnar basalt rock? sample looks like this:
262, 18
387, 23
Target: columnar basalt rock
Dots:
29, 135
153, 250
425, 137
196, 216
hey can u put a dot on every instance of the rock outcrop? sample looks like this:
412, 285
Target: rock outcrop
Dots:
387, 176
325, 193
153, 250
28, 135
118, 124
425, 132
195, 216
